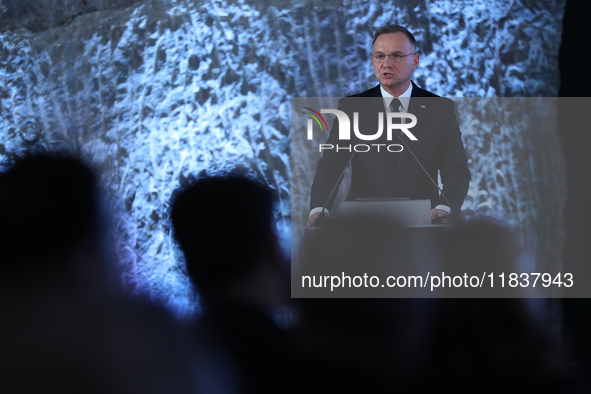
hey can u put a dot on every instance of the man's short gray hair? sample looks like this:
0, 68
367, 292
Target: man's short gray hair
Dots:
394, 29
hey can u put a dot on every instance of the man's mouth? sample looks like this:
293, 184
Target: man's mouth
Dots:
387, 75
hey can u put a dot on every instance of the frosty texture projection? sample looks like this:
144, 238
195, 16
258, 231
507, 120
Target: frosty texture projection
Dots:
163, 89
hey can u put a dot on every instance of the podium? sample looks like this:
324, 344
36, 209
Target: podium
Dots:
407, 213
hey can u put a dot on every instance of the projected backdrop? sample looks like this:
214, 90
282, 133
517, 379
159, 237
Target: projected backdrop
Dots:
154, 92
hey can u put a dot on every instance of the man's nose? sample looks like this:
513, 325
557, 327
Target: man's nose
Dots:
389, 60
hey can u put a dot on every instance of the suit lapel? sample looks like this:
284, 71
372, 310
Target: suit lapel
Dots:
420, 109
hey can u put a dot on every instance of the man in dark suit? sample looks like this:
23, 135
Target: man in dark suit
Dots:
388, 168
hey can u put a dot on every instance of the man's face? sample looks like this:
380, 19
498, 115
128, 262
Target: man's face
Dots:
394, 77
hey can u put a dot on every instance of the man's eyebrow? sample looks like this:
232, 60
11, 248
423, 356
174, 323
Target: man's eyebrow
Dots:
392, 53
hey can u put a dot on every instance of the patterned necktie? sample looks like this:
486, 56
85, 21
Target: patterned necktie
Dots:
394, 106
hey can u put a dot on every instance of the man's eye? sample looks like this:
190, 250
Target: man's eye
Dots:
397, 56
381, 57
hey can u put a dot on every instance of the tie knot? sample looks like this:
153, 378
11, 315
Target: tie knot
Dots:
394, 105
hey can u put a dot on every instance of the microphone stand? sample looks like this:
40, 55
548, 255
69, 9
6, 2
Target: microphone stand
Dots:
322, 219
453, 218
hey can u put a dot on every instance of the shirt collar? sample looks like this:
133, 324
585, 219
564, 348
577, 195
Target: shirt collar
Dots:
404, 97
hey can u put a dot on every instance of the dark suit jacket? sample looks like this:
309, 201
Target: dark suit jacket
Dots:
382, 174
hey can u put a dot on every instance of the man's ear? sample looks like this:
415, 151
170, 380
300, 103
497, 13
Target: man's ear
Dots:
415, 61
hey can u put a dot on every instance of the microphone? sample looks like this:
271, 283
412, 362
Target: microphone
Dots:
453, 218
322, 220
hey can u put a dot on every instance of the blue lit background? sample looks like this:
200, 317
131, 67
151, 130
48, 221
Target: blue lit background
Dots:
160, 90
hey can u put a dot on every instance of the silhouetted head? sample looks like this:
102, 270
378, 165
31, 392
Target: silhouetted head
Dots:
48, 210
225, 228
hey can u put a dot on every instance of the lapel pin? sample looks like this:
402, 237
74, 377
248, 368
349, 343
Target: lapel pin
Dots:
423, 107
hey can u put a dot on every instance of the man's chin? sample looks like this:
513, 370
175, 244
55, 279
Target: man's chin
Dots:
390, 82
388, 85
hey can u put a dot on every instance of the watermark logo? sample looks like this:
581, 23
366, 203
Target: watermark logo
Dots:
345, 129
315, 115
